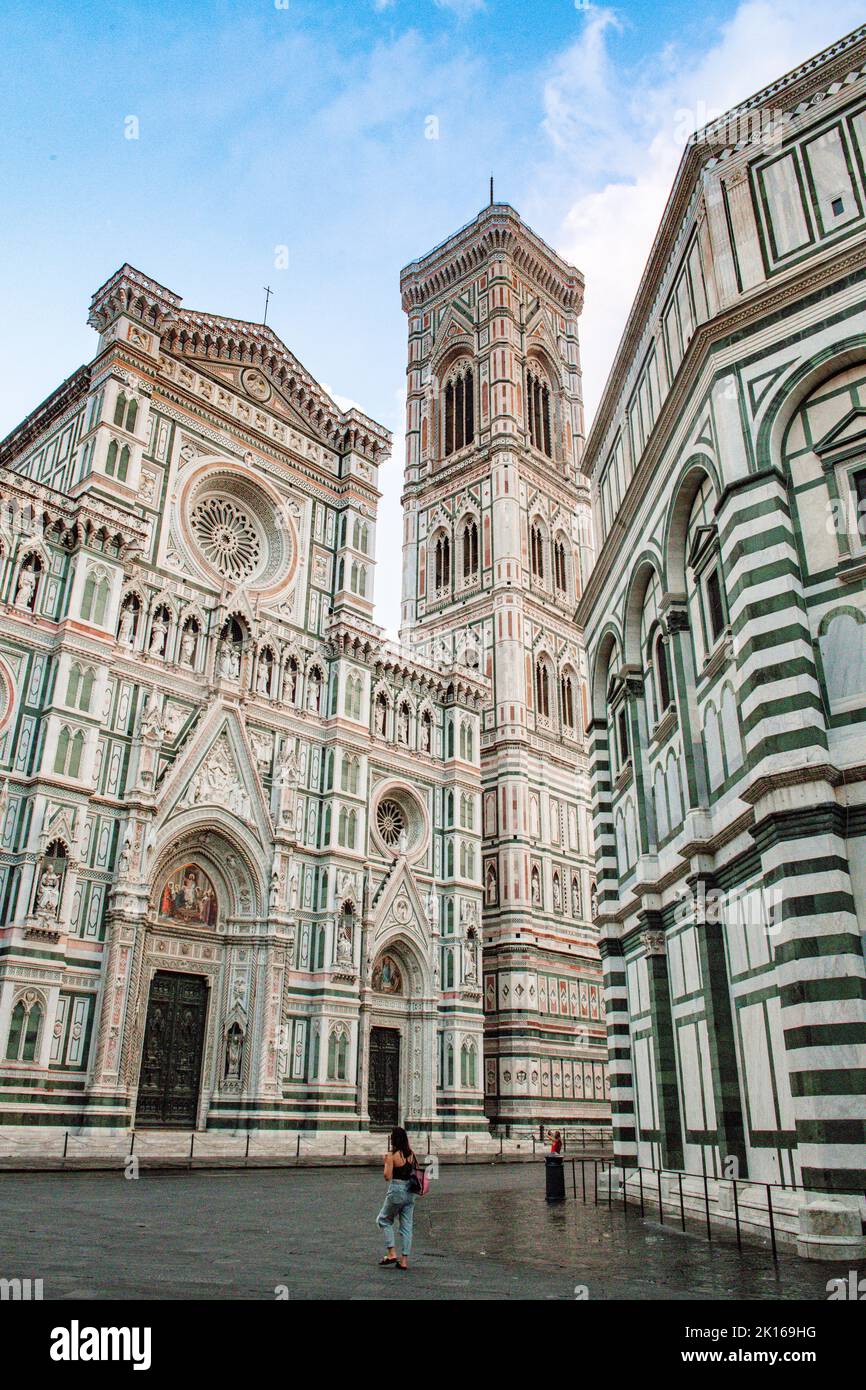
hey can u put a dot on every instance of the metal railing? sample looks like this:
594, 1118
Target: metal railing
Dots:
652, 1191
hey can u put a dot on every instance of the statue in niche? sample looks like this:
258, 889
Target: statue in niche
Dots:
124, 861
187, 646
403, 728
470, 972
344, 943
26, 593
557, 895
151, 719
263, 678
575, 897
158, 633
48, 894
234, 1053
425, 735
126, 630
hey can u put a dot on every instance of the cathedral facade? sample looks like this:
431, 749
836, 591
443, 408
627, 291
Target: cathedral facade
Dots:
725, 623
497, 547
240, 839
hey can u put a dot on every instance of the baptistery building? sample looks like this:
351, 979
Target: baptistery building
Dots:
725, 623
240, 838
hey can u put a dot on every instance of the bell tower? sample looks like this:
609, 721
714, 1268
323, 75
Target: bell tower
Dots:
496, 544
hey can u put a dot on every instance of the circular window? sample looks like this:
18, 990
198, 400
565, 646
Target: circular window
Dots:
228, 536
237, 531
398, 821
390, 822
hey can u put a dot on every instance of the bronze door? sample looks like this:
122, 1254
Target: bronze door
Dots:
384, 1090
168, 1086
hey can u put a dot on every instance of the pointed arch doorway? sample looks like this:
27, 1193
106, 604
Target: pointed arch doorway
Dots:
171, 1060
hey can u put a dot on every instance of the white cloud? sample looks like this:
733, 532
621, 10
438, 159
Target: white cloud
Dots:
462, 8
618, 133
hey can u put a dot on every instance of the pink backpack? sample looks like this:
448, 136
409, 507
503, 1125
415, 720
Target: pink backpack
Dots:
419, 1183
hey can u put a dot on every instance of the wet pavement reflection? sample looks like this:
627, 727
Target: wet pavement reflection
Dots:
485, 1232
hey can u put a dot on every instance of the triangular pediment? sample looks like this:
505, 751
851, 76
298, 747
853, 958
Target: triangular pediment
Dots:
541, 337
848, 435
401, 909
259, 388
455, 329
217, 772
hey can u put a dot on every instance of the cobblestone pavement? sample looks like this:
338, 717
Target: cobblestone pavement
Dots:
485, 1232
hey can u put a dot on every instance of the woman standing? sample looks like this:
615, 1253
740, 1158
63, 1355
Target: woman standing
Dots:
400, 1164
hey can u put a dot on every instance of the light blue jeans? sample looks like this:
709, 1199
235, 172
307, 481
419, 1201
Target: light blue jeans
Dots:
400, 1202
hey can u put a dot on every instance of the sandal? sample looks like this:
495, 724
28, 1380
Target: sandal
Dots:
385, 1262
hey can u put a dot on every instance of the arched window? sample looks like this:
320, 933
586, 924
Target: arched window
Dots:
542, 689
566, 698
79, 690
338, 1053
24, 1031
442, 563
94, 598
536, 550
125, 413
459, 422
67, 758
538, 411
352, 698
467, 1065
470, 551
117, 461
560, 571
662, 672
466, 741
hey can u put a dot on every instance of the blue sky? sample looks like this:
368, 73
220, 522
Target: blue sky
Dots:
302, 123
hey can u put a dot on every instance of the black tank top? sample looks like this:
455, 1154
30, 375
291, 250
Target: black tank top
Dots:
405, 1170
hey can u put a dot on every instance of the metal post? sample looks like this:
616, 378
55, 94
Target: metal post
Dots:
624, 1203
65, 1142
772, 1222
640, 1177
610, 1187
191, 1145
131, 1143
737, 1215
583, 1179
661, 1204
682, 1203
595, 1181
345, 1142
707, 1207
466, 1145
298, 1146
247, 1149
573, 1181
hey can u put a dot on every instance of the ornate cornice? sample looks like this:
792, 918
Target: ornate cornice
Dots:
213, 337
809, 82
497, 230
66, 399
84, 519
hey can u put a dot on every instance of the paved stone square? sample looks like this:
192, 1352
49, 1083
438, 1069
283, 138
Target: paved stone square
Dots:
485, 1232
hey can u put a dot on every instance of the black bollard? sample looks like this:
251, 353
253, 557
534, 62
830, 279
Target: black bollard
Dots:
555, 1178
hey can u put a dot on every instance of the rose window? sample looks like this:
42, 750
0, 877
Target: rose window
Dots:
228, 536
390, 822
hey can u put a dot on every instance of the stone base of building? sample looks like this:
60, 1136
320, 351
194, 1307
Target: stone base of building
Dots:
815, 1225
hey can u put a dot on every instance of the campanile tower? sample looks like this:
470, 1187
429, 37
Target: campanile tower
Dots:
496, 544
